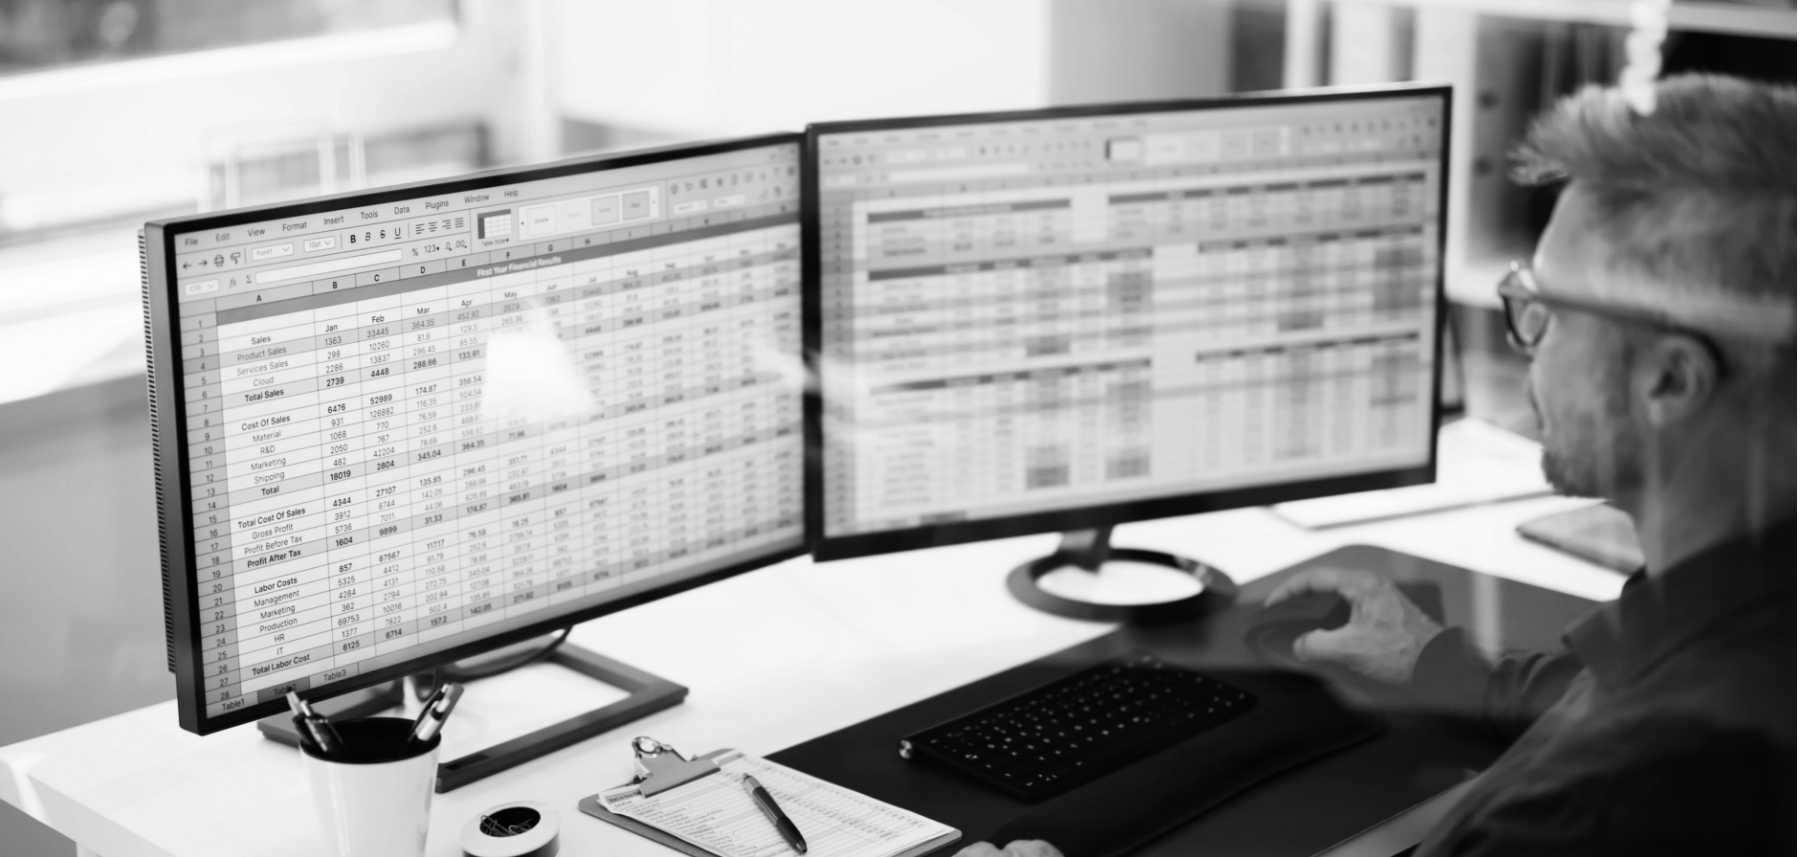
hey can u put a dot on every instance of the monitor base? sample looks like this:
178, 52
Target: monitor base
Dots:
1088, 550
649, 694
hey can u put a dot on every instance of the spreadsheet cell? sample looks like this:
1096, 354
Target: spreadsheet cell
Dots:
1103, 329
389, 466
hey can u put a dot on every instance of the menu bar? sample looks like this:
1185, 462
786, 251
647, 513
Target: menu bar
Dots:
783, 159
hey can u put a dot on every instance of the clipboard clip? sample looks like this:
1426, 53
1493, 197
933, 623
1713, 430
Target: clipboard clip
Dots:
661, 767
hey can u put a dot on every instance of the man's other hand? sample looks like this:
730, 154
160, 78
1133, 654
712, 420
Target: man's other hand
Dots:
1015, 848
1385, 633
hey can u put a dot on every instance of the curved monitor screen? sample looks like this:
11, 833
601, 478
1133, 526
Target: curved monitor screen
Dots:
418, 420
1038, 313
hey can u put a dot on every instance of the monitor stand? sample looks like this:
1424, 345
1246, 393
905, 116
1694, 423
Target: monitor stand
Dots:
1088, 551
649, 694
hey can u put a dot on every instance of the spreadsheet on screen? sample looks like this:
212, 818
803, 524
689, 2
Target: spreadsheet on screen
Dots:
1029, 315
426, 422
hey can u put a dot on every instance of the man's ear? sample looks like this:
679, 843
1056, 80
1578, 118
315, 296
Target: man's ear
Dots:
1677, 377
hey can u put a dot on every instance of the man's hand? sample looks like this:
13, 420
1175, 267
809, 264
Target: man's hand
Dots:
1385, 633
1016, 848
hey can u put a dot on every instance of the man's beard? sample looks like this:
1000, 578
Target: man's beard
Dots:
1593, 459
1566, 478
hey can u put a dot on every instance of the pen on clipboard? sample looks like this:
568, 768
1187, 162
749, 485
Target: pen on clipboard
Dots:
766, 803
313, 726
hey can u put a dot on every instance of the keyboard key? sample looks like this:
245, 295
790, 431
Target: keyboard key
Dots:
1070, 731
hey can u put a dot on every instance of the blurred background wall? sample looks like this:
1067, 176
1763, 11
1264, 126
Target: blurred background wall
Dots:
113, 112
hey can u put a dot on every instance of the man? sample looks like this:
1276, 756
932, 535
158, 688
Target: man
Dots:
1659, 313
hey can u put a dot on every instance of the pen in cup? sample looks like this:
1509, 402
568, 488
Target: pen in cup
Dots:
766, 803
437, 709
311, 725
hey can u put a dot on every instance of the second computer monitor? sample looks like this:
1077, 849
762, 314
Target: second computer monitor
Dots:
1070, 318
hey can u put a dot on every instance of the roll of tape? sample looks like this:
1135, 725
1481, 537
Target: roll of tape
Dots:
523, 829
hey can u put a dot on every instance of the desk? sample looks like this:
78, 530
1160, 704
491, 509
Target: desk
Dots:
801, 649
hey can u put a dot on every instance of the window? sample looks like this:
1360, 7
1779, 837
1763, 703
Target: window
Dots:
43, 34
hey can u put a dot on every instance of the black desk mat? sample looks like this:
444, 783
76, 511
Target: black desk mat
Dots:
1299, 812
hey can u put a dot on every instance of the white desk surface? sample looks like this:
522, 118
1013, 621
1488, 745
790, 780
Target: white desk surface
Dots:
792, 652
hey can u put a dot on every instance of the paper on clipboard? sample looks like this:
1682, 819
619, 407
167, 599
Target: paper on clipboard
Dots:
714, 816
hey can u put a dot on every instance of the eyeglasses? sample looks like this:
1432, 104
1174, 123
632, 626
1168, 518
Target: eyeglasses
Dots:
1528, 313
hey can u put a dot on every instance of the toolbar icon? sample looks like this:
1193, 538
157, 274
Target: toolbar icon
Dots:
494, 224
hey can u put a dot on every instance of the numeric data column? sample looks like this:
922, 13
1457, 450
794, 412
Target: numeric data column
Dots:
442, 572
521, 344
784, 327
431, 461
598, 358
638, 507
719, 306
383, 546
564, 513
679, 340
481, 457
337, 338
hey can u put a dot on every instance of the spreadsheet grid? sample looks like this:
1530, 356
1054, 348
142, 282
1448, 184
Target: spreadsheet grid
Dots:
1079, 311
373, 475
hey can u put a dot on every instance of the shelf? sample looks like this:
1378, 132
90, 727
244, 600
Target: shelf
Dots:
1733, 19
1737, 19
1472, 283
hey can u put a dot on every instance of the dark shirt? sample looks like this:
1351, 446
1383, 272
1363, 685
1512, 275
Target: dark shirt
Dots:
1665, 727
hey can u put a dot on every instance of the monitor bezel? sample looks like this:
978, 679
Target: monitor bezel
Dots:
826, 548
167, 398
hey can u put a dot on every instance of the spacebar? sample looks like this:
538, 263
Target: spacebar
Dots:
1132, 742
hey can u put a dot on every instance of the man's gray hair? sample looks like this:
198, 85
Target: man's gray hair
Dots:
1698, 195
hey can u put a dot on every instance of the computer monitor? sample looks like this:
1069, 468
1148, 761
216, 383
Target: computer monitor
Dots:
400, 427
1070, 318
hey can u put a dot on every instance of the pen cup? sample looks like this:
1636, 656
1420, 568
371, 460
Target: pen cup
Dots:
374, 797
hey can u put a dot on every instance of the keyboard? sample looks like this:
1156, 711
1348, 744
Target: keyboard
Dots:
1050, 739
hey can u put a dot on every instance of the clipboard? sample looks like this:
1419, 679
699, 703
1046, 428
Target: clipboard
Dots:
661, 768
1599, 534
